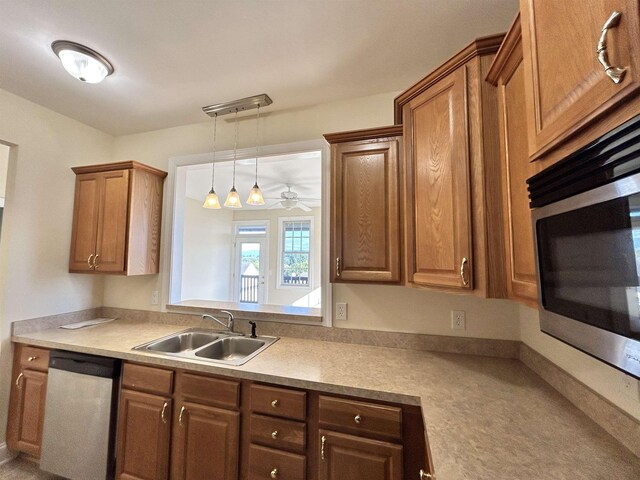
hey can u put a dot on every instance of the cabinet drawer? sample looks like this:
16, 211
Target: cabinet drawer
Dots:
279, 433
34, 358
360, 417
266, 464
147, 379
280, 402
208, 390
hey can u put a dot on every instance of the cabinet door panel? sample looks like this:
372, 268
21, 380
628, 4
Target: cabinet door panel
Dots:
85, 222
436, 125
367, 218
144, 426
112, 224
27, 412
569, 88
206, 443
347, 456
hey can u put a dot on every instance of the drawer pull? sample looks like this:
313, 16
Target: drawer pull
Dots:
275, 403
324, 439
19, 381
616, 74
31, 359
163, 414
274, 473
274, 434
357, 419
182, 410
424, 475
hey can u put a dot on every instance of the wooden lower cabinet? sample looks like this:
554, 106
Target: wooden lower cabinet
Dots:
205, 443
27, 400
345, 456
267, 463
144, 428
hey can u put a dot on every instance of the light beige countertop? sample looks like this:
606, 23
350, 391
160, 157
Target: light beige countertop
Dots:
486, 418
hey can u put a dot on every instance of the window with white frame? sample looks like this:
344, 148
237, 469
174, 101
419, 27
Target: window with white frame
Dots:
295, 259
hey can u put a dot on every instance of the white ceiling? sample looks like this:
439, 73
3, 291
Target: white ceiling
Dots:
301, 171
173, 57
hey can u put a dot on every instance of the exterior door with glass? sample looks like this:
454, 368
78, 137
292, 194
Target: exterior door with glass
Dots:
250, 270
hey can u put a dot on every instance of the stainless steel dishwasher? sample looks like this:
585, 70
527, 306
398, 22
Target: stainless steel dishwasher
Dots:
78, 438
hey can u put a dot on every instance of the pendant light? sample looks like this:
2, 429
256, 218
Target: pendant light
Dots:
212, 200
255, 195
233, 199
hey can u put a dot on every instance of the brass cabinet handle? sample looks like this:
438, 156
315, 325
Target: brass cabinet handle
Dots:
357, 419
275, 403
274, 434
424, 475
323, 440
274, 473
337, 266
463, 276
95, 262
89, 262
616, 74
31, 359
163, 415
182, 410
19, 381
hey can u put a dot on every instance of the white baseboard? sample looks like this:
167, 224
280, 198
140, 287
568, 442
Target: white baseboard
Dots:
5, 454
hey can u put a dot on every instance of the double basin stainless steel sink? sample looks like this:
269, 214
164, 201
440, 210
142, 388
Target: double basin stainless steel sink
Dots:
201, 344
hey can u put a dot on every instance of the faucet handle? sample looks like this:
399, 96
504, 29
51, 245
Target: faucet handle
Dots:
227, 312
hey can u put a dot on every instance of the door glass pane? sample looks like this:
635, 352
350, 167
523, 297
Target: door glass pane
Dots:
249, 272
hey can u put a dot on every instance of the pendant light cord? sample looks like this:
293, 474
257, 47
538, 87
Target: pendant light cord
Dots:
257, 142
235, 149
213, 165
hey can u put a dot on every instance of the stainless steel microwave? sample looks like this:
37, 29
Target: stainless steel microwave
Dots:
586, 222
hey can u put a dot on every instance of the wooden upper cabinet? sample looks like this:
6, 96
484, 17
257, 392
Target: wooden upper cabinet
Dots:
365, 205
507, 73
454, 238
116, 219
567, 86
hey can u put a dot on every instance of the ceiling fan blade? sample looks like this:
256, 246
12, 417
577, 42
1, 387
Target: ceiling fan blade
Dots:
275, 205
303, 207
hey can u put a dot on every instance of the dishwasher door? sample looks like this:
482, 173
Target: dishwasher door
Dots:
80, 413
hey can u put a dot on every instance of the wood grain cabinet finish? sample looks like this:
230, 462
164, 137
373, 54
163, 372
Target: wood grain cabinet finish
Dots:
366, 205
567, 85
267, 464
205, 443
347, 456
507, 74
116, 219
144, 428
453, 195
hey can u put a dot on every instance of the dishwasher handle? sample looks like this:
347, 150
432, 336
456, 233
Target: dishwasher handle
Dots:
85, 364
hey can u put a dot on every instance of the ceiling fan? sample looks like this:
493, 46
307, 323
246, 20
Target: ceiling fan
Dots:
290, 200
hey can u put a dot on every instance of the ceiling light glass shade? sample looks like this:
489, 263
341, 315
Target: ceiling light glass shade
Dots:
255, 196
212, 200
233, 199
81, 62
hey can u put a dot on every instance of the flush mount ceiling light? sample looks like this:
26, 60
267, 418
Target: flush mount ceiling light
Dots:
81, 62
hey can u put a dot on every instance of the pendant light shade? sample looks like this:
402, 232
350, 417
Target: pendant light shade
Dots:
81, 62
212, 201
255, 195
233, 199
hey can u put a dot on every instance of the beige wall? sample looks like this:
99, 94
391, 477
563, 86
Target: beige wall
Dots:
4, 165
36, 230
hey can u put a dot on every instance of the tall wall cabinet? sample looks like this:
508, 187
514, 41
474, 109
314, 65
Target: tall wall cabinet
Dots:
366, 172
507, 74
116, 219
453, 195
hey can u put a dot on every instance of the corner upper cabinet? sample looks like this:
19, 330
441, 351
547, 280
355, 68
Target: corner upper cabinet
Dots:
568, 46
366, 206
453, 196
116, 219
507, 74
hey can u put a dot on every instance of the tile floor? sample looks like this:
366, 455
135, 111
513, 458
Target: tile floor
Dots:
22, 469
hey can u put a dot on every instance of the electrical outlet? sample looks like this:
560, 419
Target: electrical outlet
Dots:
458, 320
154, 297
341, 311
